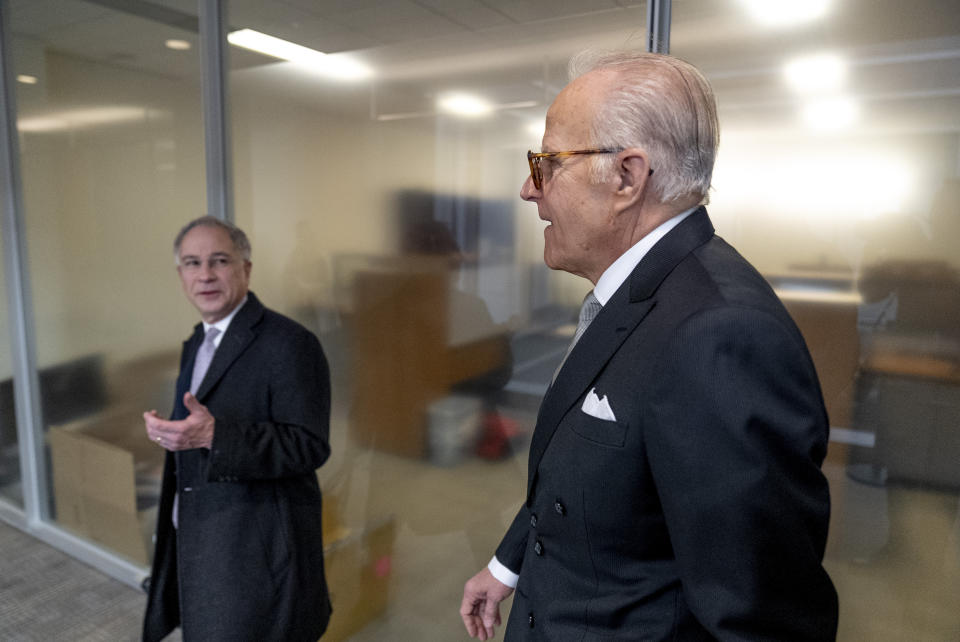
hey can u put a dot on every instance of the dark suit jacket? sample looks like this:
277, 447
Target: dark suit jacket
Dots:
246, 562
701, 512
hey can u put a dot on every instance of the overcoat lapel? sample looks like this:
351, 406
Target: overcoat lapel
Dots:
239, 335
614, 323
190, 348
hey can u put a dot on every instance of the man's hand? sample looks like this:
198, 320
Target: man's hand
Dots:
480, 608
196, 431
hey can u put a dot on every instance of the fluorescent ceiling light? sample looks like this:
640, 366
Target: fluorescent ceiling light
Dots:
462, 104
178, 45
336, 66
821, 72
783, 13
27, 79
831, 113
82, 118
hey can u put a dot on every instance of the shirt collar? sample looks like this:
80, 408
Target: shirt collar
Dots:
618, 272
223, 323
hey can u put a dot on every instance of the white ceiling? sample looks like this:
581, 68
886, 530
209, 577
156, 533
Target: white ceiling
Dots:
905, 57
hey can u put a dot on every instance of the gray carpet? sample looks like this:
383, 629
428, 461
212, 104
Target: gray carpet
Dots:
46, 595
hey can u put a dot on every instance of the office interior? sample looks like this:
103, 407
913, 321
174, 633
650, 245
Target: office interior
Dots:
379, 183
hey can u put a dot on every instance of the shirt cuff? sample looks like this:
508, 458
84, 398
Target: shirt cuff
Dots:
503, 574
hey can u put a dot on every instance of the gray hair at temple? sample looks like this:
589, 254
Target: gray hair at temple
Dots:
664, 105
240, 241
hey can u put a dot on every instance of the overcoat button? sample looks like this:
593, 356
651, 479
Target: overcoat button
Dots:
538, 548
530, 620
557, 506
533, 520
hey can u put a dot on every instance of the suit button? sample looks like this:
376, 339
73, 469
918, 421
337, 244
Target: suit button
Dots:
560, 508
533, 520
538, 548
530, 619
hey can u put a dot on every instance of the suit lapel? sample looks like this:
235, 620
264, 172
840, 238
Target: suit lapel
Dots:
615, 322
596, 347
239, 335
190, 347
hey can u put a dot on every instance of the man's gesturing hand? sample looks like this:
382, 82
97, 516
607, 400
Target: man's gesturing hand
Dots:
196, 431
480, 608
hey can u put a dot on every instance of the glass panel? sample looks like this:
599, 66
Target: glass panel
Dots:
10, 488
385, 216
838, 178
391, 226
111, 145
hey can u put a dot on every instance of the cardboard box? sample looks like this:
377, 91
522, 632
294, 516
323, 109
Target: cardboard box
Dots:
358, 570
95, 492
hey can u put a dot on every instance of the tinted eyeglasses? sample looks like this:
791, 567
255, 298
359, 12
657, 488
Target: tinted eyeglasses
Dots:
536, 158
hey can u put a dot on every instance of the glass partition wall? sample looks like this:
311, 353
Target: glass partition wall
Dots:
839, 178
379, 183
111, 160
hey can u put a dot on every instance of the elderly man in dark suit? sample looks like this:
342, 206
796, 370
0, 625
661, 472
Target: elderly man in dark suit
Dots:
239, 553
674, 486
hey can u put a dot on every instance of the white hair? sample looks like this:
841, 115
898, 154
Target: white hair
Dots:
662, 104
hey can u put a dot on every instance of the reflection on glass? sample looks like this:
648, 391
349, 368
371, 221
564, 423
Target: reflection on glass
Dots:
112, 165
392, 226
838, 177
389, 224
389, 220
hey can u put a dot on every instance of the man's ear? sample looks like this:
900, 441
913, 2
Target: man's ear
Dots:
633, 172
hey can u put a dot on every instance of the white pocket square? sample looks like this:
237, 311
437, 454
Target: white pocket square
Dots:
598, 407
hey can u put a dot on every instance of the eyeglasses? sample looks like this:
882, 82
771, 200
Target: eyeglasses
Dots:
536, 158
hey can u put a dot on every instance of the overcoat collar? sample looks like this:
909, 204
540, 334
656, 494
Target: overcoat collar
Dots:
238, 336
613, 324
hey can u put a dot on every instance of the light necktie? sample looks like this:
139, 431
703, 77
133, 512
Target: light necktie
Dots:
588, 311
200, 366
204, 356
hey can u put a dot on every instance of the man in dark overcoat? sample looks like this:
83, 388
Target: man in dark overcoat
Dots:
674, 486
239, 552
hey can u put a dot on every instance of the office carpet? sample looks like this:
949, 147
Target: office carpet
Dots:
46, 596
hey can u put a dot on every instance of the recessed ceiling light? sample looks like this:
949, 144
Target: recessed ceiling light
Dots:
27, 79
782, 13
178, 45
831, 113
463, 104
821, 72
336, 65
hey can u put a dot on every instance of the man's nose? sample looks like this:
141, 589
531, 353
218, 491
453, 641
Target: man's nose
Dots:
528, 192
206, 272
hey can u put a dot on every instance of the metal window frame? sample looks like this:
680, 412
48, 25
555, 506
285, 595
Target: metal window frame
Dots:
33, 474
658, 26
214, 61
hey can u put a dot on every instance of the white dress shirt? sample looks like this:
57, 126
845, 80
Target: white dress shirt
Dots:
222, 324
608, 283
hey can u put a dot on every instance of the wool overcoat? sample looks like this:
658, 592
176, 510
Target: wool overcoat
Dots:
246, 559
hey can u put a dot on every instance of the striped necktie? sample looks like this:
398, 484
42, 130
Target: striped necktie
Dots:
588, 311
